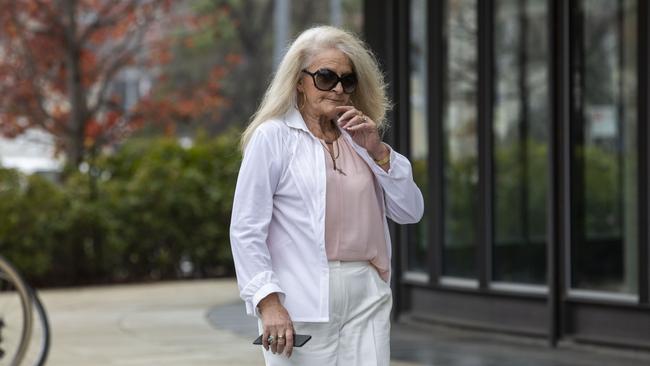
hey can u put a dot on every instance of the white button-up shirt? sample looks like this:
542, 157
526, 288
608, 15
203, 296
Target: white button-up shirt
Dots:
277, 231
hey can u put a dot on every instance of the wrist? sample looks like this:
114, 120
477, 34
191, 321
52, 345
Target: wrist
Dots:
269, 301
381, 154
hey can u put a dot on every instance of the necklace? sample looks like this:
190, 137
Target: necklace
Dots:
335, 147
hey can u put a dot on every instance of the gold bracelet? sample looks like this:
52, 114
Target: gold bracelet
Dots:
384, 160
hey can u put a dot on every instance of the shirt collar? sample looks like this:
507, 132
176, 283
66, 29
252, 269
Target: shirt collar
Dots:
294, 119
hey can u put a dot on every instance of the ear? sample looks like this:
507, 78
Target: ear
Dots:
300, 87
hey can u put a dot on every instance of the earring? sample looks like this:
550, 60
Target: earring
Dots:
304, 100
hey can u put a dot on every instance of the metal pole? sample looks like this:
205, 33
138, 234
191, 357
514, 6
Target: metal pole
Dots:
335, 13
281, 29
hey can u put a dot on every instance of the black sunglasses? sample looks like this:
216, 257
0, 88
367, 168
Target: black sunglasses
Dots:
326, 80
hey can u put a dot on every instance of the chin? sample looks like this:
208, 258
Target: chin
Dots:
329, 110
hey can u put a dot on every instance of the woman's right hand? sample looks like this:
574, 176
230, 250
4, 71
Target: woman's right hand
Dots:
277, 323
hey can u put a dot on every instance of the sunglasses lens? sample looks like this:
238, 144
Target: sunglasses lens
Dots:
349, 83
326, 79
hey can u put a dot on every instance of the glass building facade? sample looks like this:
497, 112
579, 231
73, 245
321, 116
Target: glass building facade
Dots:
526, 123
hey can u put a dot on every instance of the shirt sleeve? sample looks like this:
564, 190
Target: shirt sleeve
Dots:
252, 211
403, 199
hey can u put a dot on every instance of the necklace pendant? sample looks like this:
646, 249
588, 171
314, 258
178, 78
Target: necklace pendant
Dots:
340, 171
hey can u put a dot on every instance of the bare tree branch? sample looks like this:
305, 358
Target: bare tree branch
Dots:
103, 19
119, 58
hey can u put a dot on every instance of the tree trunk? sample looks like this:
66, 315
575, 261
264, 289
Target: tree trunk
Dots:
74, 141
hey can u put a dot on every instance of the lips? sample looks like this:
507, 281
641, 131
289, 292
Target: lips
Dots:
335, 100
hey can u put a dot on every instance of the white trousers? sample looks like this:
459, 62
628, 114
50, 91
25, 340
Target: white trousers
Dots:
358, 333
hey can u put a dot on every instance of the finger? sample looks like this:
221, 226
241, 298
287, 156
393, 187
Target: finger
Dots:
281, 341
350, 113
265, 338
367, 125
359, 127
354, 119
358, 121
274, 343
281, 344
347, 116
343, 108
343, 117
289, 346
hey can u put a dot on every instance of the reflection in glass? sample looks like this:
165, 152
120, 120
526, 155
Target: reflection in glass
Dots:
521, 117
460, 167
604, 149
417, 251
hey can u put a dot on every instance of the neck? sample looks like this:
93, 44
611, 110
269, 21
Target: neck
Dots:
321, 126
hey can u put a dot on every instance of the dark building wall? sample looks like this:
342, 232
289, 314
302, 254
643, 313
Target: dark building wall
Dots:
526, 122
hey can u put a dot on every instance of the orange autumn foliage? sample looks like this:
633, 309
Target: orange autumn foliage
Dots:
59, 61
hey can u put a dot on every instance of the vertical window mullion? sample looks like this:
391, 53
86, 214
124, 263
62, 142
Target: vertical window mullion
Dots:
399, 136
436, 55
485, 91
644, 151
558, 216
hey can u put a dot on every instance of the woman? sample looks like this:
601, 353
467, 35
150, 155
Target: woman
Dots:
309, 234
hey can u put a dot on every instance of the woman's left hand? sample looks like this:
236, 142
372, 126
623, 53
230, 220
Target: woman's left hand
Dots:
363, 131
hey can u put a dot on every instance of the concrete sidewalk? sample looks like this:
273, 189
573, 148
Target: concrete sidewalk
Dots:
203, 323
150, 324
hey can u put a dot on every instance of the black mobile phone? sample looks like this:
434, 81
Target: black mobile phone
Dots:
299, 340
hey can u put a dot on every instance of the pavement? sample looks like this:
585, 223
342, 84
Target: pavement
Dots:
203, 323
148, 324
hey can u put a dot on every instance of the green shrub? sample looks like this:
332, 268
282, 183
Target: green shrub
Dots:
173, 203
31, 209
153, 209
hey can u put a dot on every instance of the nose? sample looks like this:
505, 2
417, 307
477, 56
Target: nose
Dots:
338, 88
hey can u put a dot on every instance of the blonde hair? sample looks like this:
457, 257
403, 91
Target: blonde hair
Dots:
369, 96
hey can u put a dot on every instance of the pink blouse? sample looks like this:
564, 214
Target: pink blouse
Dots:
354, 228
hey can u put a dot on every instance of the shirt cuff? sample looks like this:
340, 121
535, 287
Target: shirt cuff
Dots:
258, 288
265, 291
377, 169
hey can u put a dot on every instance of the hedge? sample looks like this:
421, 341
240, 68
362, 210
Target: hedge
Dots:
152, 210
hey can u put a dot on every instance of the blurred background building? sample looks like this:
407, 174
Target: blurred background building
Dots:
527, 125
